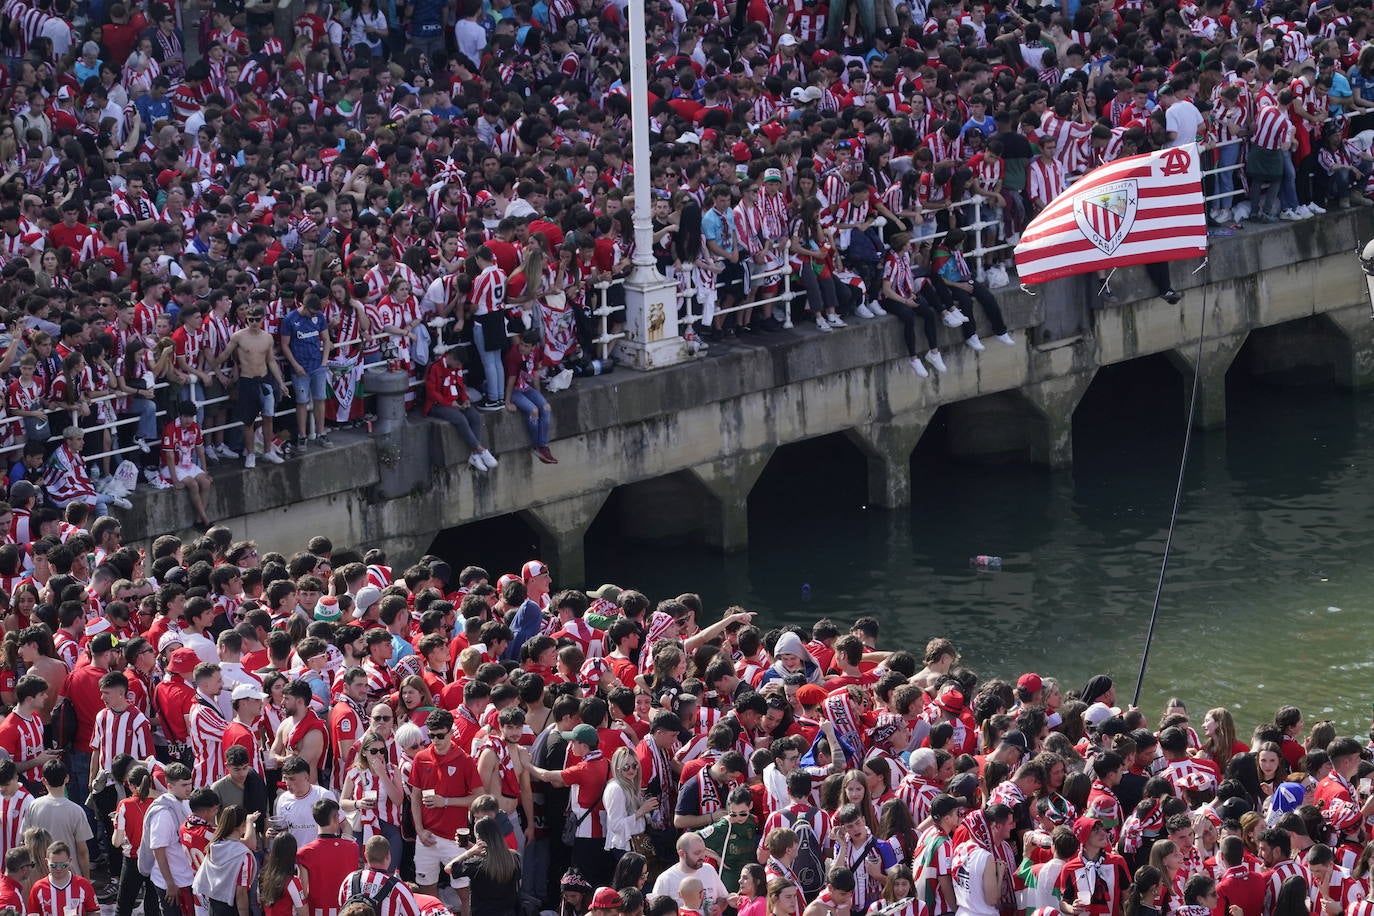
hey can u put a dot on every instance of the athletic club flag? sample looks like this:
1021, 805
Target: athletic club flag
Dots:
1131, 211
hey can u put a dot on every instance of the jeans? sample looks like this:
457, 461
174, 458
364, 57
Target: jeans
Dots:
466, 420
820, 294
839, 14
536, 870
146, 411
528, 401
492, 365
1264, 197
1226, 181
1288, 190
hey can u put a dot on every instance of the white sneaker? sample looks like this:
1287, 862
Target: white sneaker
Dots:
250, 460
273, 456
1304, 211
1241, 211
487, 458
227, 452
822, 324
160, 483
1006, 339
936, 360
919, 367
477, 463
1224, 216
120, 502
876, 309
975, 343
951, 318
150, 475
1290, 216
863, 311
836, 321
1316, 208
142, 444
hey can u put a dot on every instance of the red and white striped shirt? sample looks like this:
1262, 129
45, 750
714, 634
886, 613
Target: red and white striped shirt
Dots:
47, 899
116, 733
207, 738
12, 810
897, 274
1273, 128
1045, 180
399, 902
1071, 137
489, 290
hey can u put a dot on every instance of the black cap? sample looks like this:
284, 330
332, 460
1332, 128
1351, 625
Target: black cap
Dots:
943, 804
1233, 808
1017, 740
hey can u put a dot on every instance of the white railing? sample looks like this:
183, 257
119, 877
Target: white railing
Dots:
605, 338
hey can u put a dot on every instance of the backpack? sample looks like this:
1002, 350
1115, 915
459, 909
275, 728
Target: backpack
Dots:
356, 895
809, 866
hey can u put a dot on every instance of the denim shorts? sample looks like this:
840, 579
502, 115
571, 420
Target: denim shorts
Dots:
313, 386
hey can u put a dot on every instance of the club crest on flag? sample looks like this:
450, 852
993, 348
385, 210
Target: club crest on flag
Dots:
1106, 213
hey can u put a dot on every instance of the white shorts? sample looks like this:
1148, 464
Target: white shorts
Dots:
431, 860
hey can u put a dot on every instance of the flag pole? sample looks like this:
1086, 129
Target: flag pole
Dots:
1178, 492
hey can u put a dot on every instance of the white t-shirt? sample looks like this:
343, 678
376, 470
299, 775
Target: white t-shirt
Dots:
164, 832
968, 884
205, 649
1183, 119
296, 816
668, 882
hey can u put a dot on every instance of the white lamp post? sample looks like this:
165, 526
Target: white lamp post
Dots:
651, 328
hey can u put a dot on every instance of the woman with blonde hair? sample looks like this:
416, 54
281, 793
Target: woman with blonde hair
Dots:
373, 795
1220, 744
624, 803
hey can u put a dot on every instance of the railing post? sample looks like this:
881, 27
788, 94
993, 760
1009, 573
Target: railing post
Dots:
786, 296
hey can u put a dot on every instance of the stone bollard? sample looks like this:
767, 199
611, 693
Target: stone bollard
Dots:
390, 388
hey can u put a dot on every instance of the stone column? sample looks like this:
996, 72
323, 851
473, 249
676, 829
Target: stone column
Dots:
1217, 357
1056, 400
1355, 325
728, 483
888, 444
562, 526
390, 389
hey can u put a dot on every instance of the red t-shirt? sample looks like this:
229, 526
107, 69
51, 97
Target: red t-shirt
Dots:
452, 776
82, 687
590, 778
329, 860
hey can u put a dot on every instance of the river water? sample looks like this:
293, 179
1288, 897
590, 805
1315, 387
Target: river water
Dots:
1269, 593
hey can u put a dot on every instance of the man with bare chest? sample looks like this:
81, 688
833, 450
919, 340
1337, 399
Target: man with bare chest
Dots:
254, 350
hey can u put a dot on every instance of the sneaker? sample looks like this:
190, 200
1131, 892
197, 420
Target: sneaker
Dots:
1303, 211
864, 311
876, 309
770, 324
489, 406
836, 321
142, 444
300, 443
487, 458
1006, 339
1343, 203
250, 461
919, 367
227, 452
1241, 211
273, 456
476, 463
544, 455
1171, 296
323, 441
1290, 215
822, 324
936, 360
150, 475
1224, 215
160, 483
1316, 208
976, 344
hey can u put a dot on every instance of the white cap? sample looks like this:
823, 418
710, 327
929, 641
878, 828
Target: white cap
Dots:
787, 40
1098, 713
690, 139
170, 639
247, 692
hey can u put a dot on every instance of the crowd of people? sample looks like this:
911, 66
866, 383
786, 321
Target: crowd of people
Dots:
238, 206
203, 729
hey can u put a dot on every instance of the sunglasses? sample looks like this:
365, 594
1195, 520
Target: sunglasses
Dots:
60, 865
438, 736
378, 752
382, 719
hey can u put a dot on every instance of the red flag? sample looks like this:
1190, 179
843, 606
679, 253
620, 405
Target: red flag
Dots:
1132, 211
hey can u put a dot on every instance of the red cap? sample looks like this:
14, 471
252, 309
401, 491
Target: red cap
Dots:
953, 701
607, 898
1030, 682
773, 130
741, 152
534, 568
1083, 828
711, 134
166, 177
482, 197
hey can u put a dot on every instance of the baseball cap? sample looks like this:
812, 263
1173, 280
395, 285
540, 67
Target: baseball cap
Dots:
442, 571
1098, 713
710, 134
811, 694
607, 592
65, 92
1030, 682
1233, 808
943, 804
583, 734
1015, 739
689, 139
787, 40
367, 596
741, 152
104, 642
532, 569
607, 898
246, 692
772, 175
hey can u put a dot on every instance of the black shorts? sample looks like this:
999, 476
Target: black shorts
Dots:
731, 278
253, 395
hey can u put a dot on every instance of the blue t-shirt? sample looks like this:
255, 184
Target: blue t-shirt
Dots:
303, 336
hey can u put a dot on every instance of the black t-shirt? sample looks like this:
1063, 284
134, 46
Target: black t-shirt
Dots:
491, 897
1130, 791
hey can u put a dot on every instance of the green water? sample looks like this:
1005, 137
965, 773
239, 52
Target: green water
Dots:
1268, 598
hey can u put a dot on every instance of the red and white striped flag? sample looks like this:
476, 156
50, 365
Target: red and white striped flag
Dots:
1132, 211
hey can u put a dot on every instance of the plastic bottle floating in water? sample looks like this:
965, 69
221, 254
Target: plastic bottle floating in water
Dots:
983, 561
